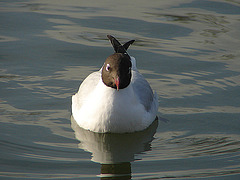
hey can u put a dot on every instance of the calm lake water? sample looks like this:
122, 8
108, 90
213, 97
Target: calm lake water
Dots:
188, 51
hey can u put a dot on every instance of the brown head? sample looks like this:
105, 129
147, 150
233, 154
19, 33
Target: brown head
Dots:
116, 71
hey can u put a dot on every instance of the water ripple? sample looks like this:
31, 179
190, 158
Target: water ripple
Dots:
169, 146
188, 51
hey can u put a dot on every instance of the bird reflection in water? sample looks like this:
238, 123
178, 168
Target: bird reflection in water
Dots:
114, 152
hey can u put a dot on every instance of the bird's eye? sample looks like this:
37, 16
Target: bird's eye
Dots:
107, 67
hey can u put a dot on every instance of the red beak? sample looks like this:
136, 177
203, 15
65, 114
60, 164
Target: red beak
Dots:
117, 83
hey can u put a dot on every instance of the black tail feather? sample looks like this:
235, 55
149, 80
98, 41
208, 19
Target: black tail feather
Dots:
118, 47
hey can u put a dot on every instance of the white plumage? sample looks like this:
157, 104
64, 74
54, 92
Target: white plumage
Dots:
99, 108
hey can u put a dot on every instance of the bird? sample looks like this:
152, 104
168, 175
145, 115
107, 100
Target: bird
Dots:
116, 98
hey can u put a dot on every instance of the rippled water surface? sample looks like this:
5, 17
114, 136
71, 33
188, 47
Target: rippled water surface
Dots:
189, 52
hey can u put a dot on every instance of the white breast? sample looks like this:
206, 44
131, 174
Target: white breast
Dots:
108, 110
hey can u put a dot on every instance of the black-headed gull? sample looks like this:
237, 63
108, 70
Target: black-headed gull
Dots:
116, 98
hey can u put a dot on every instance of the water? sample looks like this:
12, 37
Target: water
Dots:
189, 52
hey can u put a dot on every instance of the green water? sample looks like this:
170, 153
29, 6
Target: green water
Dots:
187, 50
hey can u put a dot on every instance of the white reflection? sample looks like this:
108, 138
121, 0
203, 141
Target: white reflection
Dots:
109, 148
114, 151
